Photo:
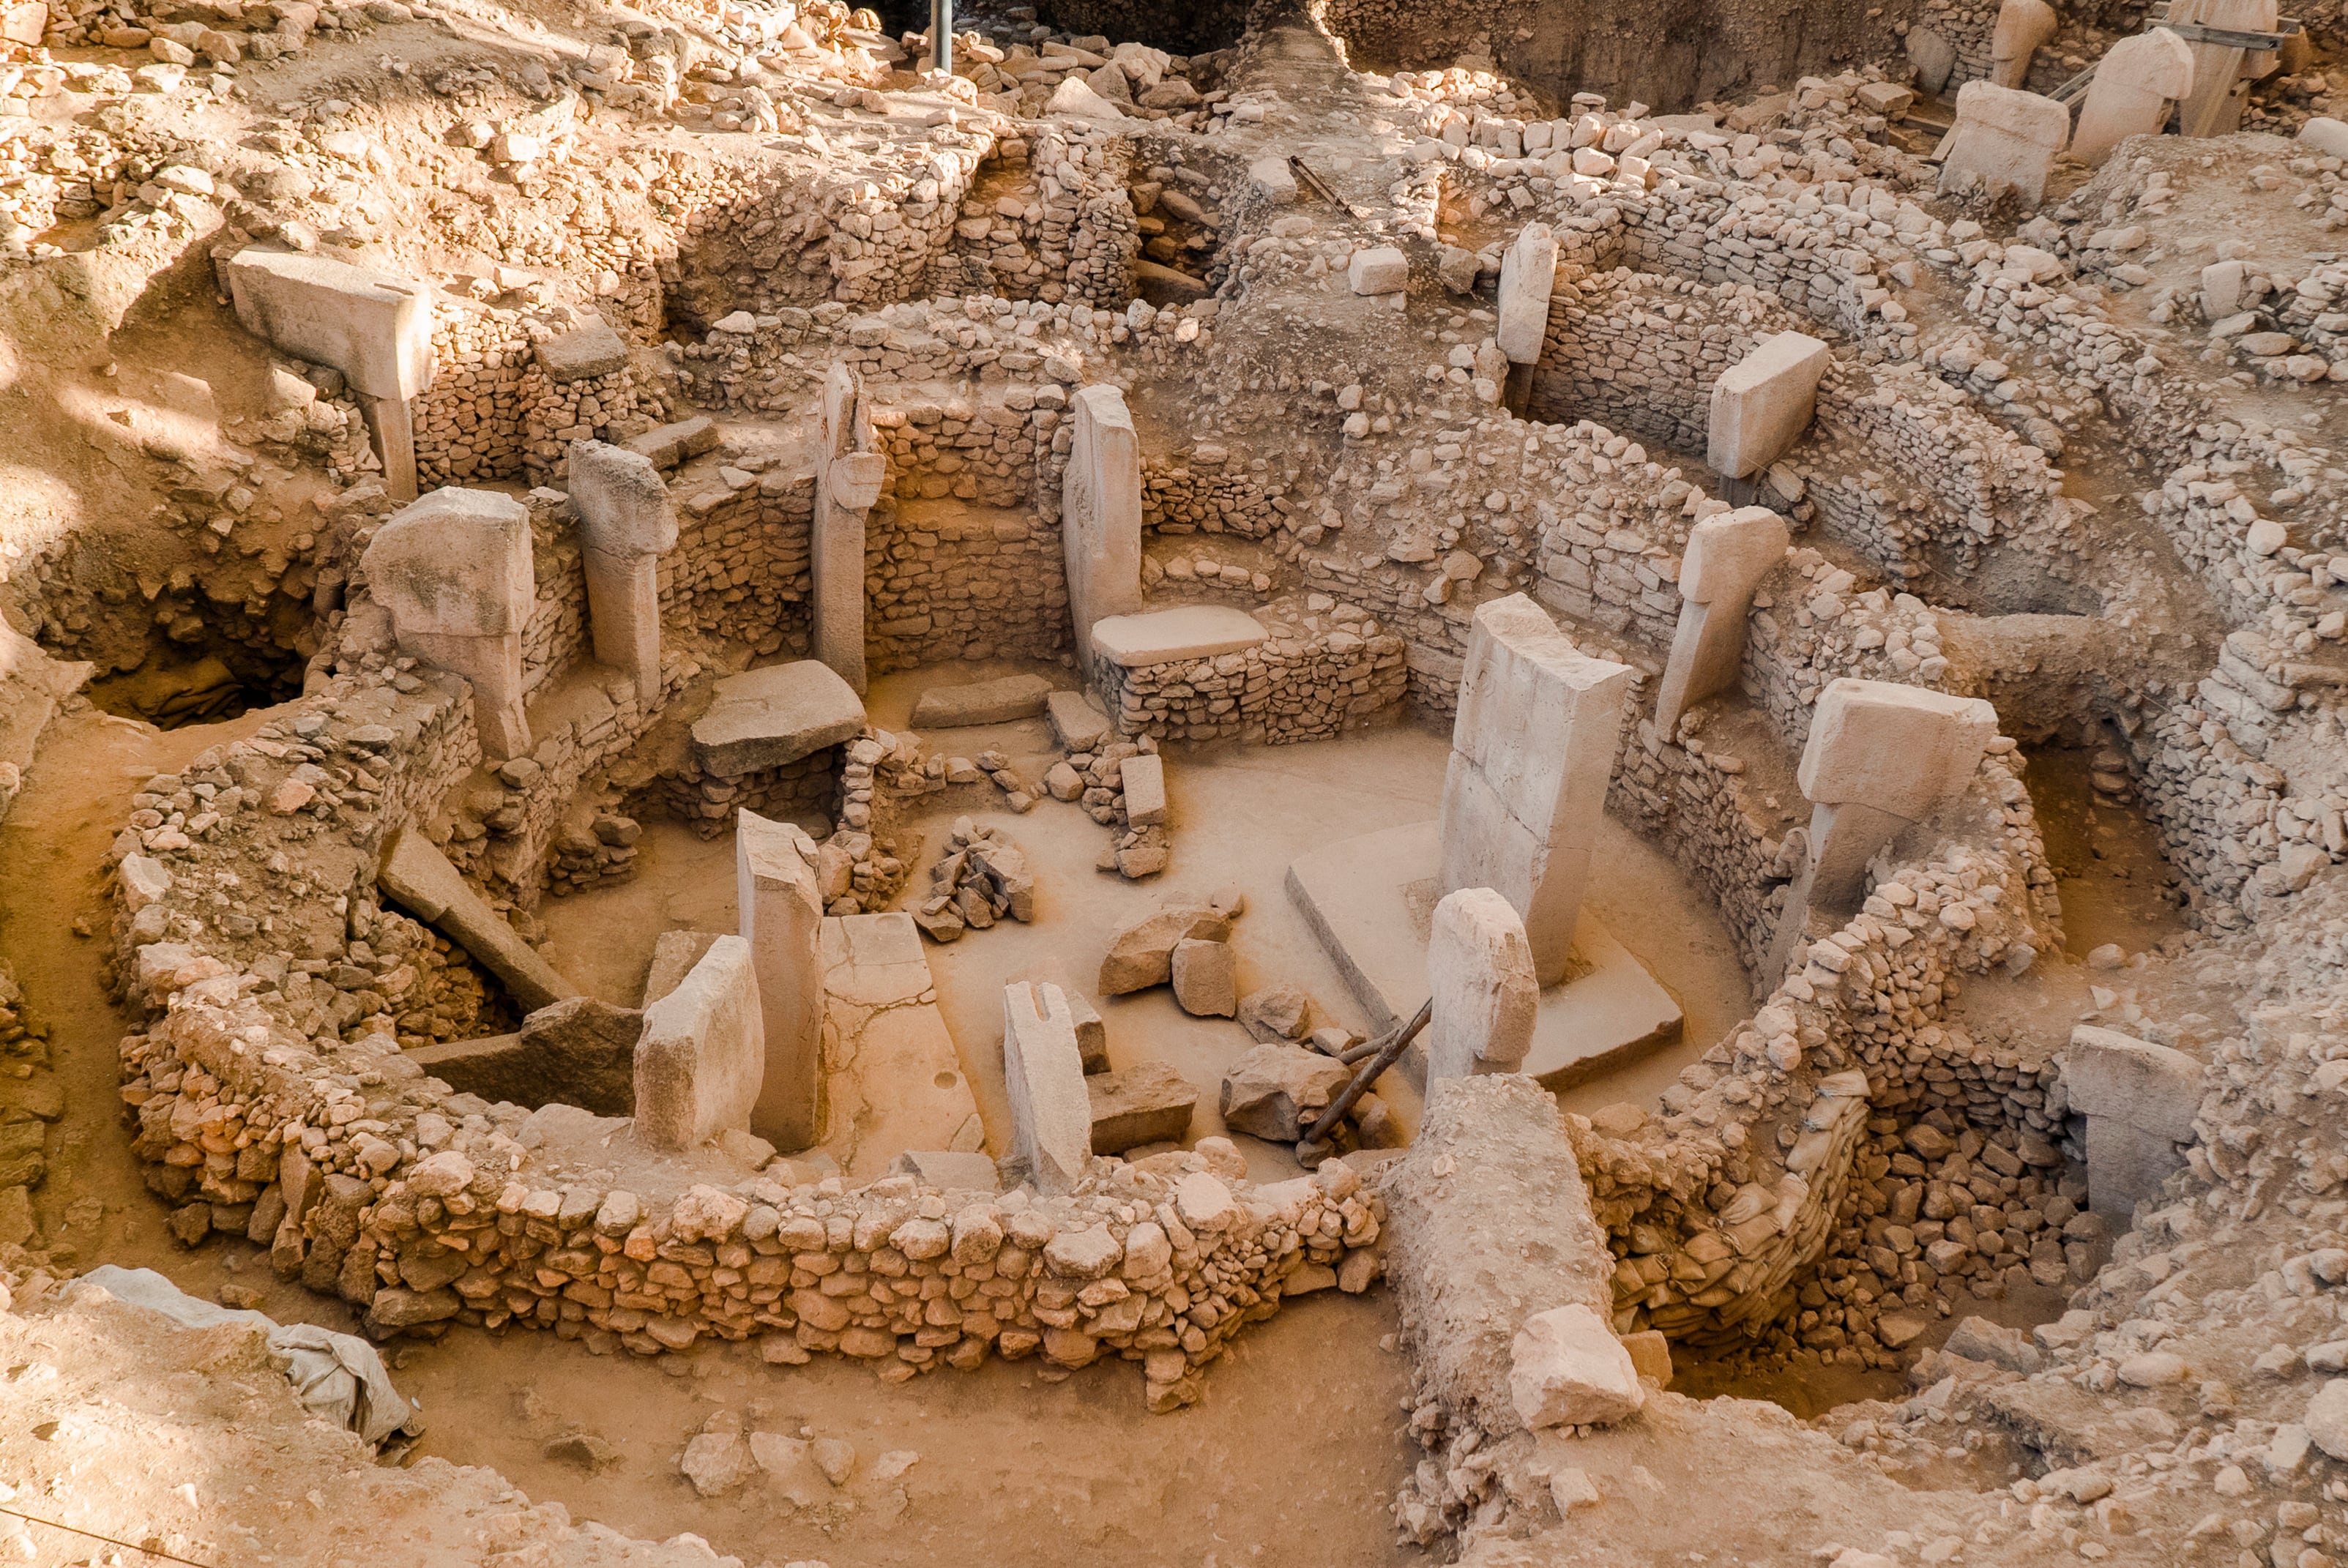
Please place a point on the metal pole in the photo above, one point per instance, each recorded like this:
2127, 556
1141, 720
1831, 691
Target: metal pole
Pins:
941, 35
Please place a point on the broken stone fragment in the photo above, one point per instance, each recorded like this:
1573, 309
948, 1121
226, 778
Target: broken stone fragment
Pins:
1275, 1091
1142, 955
1567, 1369
1205, 975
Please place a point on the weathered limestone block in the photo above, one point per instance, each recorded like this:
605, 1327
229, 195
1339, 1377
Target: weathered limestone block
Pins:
1276, 1091
454, 572
1206, 978
770, 717
2139, 1100
1148, 1102
1567, 1369
1532, 752
2022, 25
1528, 276
849, 474
1490, 1165
1479, 970
625, 525
420, 877
997, 701
1141, 955
703, 1054
1051, 1111
782, 919
2137, 80
2007, 137
1760, 407
1727, 555
1100, 511
579, 1052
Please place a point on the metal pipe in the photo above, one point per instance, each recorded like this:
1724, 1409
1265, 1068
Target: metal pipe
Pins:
941, 35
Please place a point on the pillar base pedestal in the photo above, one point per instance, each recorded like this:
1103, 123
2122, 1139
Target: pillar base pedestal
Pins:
1370, 901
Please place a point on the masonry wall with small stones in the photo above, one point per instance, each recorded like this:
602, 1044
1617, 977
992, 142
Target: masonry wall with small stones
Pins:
1283, 690
741, 569
950, 585
1199, 492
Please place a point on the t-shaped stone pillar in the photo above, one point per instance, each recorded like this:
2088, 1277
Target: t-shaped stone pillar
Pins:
1532, 752
782, 919
1880, 756
1043, 1069
626, 523
2222, 74
1479, 970
1100, 512
2134, 83
1528, 275
2021, 26
849, 474
454, 572
376, 329
1763, 403
1727, 555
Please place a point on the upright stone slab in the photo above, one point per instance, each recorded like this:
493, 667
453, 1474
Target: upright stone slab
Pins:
2139, 1100
2135, 84
1479, 970
2007, 137
454, 572
703, 1053
1100, 511
2222, 75
374, 327
1532, 751
782, 909
626, 524
849, 476
1528, 275
1763, 403
1727, 555
1879, 757
2021, 26
1051, 1110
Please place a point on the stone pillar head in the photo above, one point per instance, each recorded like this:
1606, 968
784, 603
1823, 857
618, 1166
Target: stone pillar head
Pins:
623, 505
2134, 83
1729, 553
1897, 749
1760, 407
2021, 26
456, 563
1479, 970
2005, 137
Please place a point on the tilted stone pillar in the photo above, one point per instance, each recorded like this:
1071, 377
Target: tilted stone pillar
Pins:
1479, 971
1528, 276
1760, 407
1727, 555
454, 571
849, 476
1532, 752
2021, 26
782, 919
625, 525
1100, 512
1043, 1069
2221, 74
700, 1058
1880, 756
2134, 83
376, 329
2007, 137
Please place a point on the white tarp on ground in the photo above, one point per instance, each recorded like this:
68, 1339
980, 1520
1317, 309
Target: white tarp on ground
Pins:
338, 1376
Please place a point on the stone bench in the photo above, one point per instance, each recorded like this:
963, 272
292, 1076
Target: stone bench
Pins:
771, 717
1163, 636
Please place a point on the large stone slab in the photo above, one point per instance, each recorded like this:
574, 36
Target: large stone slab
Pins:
374, 327
585, 352
1051, 1111
1148, 1102
1763, 403
703, 1054
454, 571
765, 718
2007, 137
420, 877
1371, 900
1100, 511
2136, 81
996, 702
1186, 631
893, 1079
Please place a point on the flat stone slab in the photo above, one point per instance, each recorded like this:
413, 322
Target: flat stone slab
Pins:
767, 718
1186, 631
669, 445
1370, 901
593, 350
1148, 1102
1076, 721
416, 874
893, 1082
994, 702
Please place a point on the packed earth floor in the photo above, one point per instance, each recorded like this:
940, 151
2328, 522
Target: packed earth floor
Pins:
1326, 782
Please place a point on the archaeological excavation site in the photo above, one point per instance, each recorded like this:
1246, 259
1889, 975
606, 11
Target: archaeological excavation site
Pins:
1336, 783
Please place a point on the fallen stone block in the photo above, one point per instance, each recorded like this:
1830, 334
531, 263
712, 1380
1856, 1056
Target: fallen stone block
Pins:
1144, 781
765, 718
1142, 955
1276, 1091
1148, 1102
1051, 1113
997, 701
1080, 726
1206, 978
1567, 1369
1378, 270
1275, 1013
669, 445
417, 875
579, 1051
